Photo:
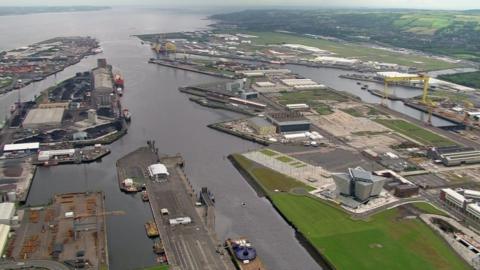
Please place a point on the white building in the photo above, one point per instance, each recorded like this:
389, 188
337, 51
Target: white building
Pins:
17, 147
158, 171
4, 231
7, 210
474, 210
453, 197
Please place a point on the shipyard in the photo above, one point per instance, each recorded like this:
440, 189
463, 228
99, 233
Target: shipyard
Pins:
212, 145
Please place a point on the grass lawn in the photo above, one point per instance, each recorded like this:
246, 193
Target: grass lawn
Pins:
269, 180
268, 152
353, 112
284, 159
353, 50
382, 242
415, 132
470, 79
159, 267
428, 208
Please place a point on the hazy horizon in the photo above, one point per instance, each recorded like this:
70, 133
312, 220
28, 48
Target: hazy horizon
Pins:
400, 4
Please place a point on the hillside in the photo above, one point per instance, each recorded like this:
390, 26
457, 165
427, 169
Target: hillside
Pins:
455, 34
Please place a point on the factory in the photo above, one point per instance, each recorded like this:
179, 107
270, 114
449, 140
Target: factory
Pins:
44, 118
358, 183
102, 85
56, 154
261, 126
454, 155
302, 84
289, 122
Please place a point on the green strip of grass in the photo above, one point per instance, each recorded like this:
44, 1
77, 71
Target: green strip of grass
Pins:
415, 132
268, 152
386, 241
427, 208
159, 267
284, 159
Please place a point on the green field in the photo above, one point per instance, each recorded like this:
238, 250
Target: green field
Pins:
385, 241
415, 132
268, 152
470, 79
284, 159
353, 50
4, 82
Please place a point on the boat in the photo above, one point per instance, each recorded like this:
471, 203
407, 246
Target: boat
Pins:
127, 115
364, 87
244, 254
118, 81
151, 229
359, 83
120, 91
145, 196
158, 248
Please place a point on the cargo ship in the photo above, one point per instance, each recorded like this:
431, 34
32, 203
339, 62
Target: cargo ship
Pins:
151, 229
145, 196
244, 255
118, 81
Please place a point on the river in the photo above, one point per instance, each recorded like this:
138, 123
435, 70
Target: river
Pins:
161, 113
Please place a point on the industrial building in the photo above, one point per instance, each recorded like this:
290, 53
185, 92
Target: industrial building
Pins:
406, 190
261, 126
102, 85
454, 155
359, 184
21, 147
289, 122
44, 118
298, 107
158, 172
55, 154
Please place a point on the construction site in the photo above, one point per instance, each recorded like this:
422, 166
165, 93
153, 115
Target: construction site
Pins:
71, 231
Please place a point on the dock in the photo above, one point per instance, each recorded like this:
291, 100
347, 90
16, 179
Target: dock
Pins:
72, 230
187, 242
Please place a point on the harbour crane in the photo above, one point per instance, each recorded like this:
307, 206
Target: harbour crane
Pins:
420, 77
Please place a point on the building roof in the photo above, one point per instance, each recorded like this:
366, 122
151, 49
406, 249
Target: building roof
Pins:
157, 169
260, 122
46, 116
287, 116
102, 78
454, 194
4, 231
7, 209
21, 146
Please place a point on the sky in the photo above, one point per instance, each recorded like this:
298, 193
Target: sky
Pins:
427, 4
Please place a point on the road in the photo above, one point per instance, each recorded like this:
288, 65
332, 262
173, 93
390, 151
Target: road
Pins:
43, 264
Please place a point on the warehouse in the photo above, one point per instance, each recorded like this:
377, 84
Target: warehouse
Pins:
7, 211
44, 118
289, 122
102, 85
158, 172
261, 126
21, 147
298, 107
459, 158
55, 154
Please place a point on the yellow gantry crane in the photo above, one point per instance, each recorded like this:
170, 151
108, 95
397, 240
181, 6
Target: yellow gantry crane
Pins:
420, 77
426, 84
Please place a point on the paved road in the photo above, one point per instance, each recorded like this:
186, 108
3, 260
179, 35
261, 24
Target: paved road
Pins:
51, 265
